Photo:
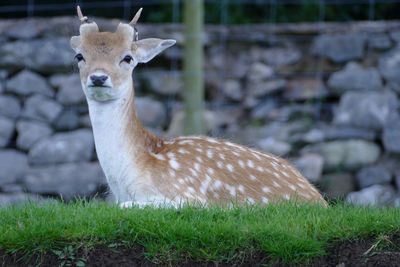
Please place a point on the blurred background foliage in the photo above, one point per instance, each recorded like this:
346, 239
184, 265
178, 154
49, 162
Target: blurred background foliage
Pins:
222, 11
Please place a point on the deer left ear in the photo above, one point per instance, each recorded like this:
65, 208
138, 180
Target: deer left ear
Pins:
75, 42
146, 49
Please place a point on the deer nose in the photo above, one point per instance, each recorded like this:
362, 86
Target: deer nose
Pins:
98, 80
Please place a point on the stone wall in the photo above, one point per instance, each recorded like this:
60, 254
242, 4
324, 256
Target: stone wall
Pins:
323, 95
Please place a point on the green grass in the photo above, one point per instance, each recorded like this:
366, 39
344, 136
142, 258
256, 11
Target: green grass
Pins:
286, 232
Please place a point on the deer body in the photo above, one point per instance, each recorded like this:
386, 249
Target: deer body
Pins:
142, 168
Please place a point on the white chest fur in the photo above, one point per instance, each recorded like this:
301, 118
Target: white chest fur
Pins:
118, 161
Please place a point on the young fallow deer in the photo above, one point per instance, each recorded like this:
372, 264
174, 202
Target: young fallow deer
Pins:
142, 168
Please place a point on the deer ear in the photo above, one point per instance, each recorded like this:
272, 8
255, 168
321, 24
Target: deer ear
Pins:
146, 49
75, 42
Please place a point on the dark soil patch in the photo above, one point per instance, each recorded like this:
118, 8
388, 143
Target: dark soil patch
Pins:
365, 252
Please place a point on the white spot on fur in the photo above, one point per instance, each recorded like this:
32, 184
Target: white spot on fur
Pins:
241, 163
199, 150
174, 164
184, 142
266, 189
197, 166
171, 155
158, 156
210, 153
292, 187
256, 156
229, 167
204, 184
210, 171
241, 188
264, 200
199, 159
250, 200
275, 184
252, 177
182, 151
231, 189
217, 184
236, 153
181, 181
260, 169
194, 173
250, 163
286, 196
222, 156
220, 164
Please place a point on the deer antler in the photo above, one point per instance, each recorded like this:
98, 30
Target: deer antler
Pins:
133, 23
82, 18
136, 18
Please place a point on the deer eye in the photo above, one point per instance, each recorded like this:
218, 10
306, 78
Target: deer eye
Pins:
79, 57
128, 59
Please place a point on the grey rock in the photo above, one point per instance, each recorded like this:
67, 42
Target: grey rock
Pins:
163, 82
304, 89
76, 146
380, 41
176, 126
24, 29
278, 57
233, 89
13, 166
274, 146
335, 132
389, 66
9, 106
397, 202
340, 47
6, 131
69, 89
41, 108
151, 112
366, 109
85, 121
397, 179
355, 78
376, 195
27, 83
346, 154
12, 199
263, 88
263, 109
391, 133
372, 175
3, 74
395, 36
67, 120
42, 55
66, 180
11, 188
311, 166
259, 72
337, 185
30, 132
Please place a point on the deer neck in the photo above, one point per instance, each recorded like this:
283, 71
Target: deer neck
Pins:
122, 143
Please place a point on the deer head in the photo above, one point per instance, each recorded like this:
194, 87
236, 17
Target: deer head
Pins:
106, 59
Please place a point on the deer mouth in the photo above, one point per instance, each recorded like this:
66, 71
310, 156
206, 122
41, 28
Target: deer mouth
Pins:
101, 93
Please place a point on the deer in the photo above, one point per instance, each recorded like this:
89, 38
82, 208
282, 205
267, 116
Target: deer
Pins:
144, 169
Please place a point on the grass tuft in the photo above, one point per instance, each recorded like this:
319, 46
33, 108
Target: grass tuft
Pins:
285, 232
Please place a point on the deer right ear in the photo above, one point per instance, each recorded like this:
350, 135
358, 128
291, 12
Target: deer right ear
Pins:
75, 42
146, 49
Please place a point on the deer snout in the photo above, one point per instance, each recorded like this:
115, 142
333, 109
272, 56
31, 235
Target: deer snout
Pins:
98, 80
